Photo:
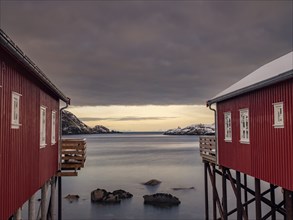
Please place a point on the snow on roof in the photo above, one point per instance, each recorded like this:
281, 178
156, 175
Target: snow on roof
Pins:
266, 73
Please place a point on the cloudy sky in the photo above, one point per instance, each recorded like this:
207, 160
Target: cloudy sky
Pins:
147, 65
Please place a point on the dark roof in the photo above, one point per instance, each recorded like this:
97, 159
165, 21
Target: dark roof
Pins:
273, 72
15, 51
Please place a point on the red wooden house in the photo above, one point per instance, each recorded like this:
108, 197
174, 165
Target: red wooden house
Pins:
255, 123
254, 137
29, 127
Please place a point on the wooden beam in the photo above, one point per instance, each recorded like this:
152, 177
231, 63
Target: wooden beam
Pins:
272, 194
70, 166
224, 192
32, 207
257, 200
232, 181
245, 194
53, 198
43, 201
238, 196
216, 192
67, 173
206, 190
288, 204
18, 214
213, 178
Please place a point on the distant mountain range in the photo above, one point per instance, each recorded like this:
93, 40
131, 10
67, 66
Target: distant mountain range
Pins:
72, 125
197, 129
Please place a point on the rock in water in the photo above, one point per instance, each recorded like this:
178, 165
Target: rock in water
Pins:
161, 199
102, 196
183, 188
72, 198
122, 194
152, 182
98, 195
111, 198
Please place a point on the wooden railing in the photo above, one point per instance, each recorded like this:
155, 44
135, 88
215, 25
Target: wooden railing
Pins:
207, 145
73, 156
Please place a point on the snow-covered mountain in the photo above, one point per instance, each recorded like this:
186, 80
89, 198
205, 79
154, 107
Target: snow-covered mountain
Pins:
196, 129
72, 125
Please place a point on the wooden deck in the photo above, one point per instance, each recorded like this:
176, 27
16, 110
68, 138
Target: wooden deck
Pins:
207, 145
73, 156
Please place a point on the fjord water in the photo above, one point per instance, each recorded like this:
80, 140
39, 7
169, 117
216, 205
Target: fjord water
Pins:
124, 161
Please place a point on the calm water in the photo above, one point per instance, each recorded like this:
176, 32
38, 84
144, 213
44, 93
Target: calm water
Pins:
124, 161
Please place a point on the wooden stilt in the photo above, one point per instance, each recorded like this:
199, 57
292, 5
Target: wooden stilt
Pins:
18, 214
43, 202
245, 194
32, 208
206, 191
238, 196
257, 200
288, 204
214, 193
59, 198
272, 194
224, 190
53, 198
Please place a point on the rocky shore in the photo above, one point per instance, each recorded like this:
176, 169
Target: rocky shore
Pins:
72, 125
197, 129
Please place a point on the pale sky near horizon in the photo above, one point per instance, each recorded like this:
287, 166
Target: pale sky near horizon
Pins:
147, 65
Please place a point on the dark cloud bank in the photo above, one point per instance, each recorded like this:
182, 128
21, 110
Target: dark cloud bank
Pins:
156, 52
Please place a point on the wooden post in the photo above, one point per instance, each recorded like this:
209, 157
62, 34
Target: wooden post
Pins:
257, 200
53, 198
245, 194
214, 192
272, 194
59, 198
32, 208
224, 191
43, 201
288, 204
18, 214
238, 196
206, 190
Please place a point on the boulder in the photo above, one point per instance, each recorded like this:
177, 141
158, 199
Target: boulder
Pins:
72, 198
183, 188
122, 194
161, 199
98, 195
152, 182
111, 198
102, 196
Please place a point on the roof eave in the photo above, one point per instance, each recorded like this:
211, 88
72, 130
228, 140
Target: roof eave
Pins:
8, 44
259, 85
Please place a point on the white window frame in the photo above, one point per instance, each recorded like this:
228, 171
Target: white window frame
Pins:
228, 126
15, 110
278, 115
43, 109
244, 126
53, 127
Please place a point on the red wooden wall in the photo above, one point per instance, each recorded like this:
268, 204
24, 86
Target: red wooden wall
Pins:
269, 156
24, 166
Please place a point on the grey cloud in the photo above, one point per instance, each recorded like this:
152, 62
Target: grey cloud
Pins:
158, 52
129, 118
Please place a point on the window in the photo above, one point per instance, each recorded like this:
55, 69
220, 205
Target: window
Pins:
53, 131
15, 110
244, 126
228, 126
43, 126
278, 115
